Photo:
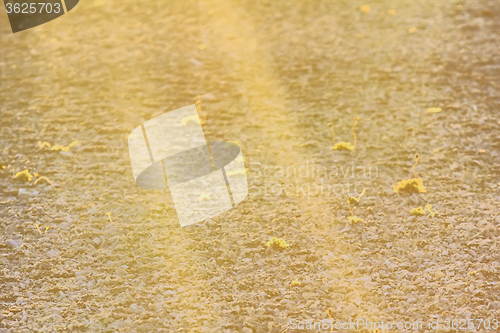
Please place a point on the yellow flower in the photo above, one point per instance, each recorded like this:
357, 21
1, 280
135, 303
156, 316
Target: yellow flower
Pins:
410, 186
277, 243
343, 146
355, 219
417, 211
204, 196
24, 175
434, 110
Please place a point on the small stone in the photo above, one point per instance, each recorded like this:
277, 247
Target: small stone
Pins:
45, 265
370, 285
468, 177
169, 293
54, 253
312, 258
83, 273
209, 97
65, 153
439, 275
15, 309
23, 191
10, 229
196, 62
13, 244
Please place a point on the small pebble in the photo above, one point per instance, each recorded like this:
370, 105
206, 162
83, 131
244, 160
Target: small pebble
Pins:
13, 244
45, 265
23, 191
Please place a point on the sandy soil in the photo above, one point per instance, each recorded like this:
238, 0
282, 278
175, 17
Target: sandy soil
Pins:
278, 73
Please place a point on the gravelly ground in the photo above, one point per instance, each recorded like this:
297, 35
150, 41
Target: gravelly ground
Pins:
278, 72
